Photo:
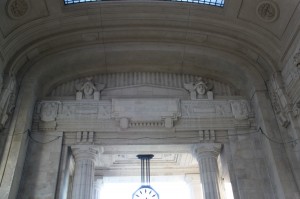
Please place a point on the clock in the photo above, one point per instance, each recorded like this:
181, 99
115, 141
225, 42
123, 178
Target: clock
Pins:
145, 192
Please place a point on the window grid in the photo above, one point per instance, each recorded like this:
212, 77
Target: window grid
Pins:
218, 3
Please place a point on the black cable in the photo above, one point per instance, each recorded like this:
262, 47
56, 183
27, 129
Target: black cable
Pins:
275, 141
36, 141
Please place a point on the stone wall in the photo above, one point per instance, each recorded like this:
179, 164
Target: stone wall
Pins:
40, 173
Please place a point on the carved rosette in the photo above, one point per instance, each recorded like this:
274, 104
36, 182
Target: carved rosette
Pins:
267, 11
17, 8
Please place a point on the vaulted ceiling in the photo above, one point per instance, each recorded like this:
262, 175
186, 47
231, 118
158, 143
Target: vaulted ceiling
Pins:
243, 42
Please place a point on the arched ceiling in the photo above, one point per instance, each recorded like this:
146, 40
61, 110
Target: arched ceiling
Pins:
52, 42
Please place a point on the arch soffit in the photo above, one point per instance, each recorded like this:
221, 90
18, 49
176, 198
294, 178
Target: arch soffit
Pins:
60, 67
207, 31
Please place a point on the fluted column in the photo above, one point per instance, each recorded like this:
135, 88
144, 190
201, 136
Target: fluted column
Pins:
83, 184
206, 155
97, 186
195, 186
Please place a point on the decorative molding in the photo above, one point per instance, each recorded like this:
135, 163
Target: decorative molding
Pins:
207, 135
131, 79
204, 109
17, 8
85, 137
146, 110
135, 114
267, 11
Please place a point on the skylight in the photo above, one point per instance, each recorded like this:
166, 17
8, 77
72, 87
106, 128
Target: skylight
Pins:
218, 3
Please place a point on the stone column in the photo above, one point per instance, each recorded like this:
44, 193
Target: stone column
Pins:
195, 186
206, 155
83, 184
97, 186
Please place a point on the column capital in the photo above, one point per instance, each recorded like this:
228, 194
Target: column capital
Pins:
82, 152
207, 150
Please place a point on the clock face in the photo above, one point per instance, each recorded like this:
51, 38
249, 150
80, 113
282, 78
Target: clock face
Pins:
145, 192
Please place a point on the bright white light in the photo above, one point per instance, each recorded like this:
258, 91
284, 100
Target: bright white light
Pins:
228, 190
174, 190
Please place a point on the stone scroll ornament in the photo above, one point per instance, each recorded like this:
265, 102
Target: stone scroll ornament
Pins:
199, 89
87, 89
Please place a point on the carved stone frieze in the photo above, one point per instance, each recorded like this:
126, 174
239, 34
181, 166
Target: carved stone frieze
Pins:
203, 109
85, 110
121, 114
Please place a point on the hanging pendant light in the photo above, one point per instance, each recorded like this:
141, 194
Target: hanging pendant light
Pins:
145, 191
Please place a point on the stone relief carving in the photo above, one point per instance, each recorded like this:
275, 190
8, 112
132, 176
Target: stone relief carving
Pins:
207, 135
7, 100
296, 59
87, 89
89, 110
17, 8
296, 110
240, 109
201, 109
279, 100
267, 11
199, 89
49, 111
121, 114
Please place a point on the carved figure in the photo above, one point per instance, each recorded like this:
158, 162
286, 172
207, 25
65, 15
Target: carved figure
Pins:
198, 88
88, 89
